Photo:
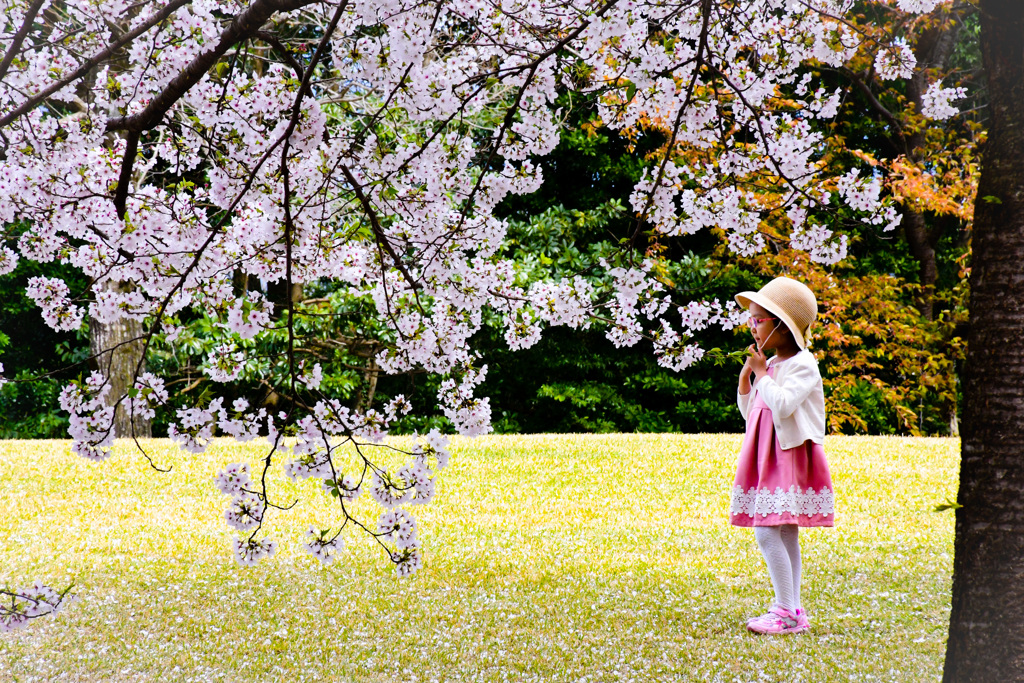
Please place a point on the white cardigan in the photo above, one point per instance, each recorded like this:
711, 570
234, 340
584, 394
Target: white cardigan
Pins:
795, 397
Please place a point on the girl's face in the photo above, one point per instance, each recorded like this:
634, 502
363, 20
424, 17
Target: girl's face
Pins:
768, 330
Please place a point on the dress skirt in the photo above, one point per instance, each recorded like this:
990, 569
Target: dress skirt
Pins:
777, 486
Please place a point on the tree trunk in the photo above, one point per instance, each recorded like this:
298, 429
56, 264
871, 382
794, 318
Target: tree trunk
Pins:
986, 638
921, 240
934, 52
116, 356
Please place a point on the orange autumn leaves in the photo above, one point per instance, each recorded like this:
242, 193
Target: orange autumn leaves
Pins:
877, 353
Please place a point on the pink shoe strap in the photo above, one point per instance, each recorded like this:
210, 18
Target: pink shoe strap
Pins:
784, 614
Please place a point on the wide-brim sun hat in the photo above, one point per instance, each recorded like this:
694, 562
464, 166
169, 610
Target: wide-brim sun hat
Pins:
790, 301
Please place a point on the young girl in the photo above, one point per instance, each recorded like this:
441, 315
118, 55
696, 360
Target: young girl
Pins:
782, 479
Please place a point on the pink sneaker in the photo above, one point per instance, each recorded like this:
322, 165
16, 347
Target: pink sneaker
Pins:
779, 620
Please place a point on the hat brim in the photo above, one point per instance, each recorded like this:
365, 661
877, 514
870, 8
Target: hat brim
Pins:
744, 299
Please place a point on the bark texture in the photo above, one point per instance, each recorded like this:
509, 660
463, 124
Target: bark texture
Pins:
116, 349
986, 638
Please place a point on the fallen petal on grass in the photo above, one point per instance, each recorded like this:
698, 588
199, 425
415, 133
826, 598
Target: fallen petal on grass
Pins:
545, 558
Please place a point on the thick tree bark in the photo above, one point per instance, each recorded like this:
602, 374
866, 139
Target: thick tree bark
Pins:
986, 638
117, 348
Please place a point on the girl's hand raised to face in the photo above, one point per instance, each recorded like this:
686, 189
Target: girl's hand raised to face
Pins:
757, 361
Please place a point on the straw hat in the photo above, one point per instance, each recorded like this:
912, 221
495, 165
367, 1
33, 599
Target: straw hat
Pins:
791, 301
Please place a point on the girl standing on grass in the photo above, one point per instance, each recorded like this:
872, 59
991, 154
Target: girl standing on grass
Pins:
782, 479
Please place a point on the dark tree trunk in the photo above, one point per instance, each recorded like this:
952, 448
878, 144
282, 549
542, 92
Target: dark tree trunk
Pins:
986, 630
922, 240
117, 357
364, 401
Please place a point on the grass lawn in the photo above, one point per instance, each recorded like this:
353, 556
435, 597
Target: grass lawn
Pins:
547, 558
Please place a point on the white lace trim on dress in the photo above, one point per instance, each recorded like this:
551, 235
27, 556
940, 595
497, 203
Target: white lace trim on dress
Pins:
795, 501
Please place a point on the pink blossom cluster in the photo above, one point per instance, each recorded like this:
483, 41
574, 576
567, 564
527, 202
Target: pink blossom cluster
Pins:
224, 363
917, 6
632, 287
91, 419
144, 397
312, 377
936, 103
18, 606
52, 297
244, 513
398, 527
567, 302
241, 424
8, 260
195, 427
895, 60
320, 546
250, 315
671, 350
470, 414
820, 242
249, 551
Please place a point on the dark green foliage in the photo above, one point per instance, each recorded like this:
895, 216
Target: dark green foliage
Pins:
575, 381
872, 407
39, 360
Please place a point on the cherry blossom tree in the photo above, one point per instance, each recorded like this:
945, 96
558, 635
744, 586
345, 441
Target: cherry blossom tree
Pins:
164, 147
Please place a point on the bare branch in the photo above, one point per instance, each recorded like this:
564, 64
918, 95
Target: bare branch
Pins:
874, 101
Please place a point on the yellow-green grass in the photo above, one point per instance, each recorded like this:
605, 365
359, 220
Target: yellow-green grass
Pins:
547, 558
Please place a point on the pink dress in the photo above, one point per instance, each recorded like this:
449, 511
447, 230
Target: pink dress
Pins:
775, 486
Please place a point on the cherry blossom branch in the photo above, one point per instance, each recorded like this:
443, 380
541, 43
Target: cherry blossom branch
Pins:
19, 37
289, 225
92, 62
20, 605
702, 46
243, 27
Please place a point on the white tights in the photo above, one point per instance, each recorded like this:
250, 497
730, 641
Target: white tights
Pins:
780, 546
